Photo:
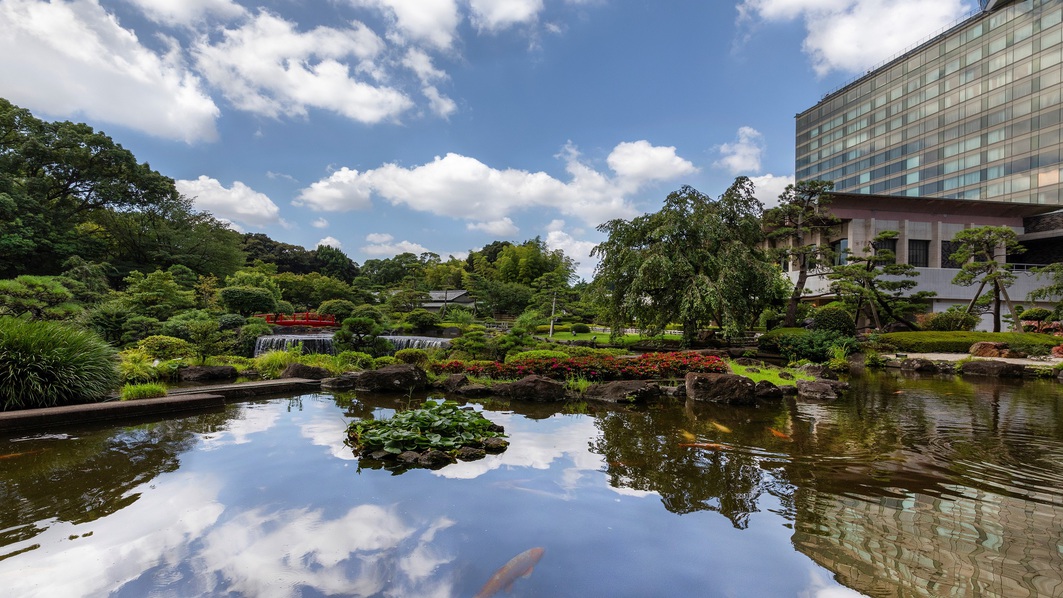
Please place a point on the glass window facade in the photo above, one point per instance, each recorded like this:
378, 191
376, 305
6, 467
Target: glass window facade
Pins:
973, 114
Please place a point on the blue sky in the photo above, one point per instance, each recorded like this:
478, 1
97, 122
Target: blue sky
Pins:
382, 126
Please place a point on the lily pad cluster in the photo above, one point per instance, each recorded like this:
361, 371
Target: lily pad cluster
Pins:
432, 435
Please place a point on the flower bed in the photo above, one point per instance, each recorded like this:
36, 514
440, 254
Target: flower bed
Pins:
650, 366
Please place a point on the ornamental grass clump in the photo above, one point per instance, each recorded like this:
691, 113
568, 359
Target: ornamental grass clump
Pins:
133, 392
441, 426
43, 364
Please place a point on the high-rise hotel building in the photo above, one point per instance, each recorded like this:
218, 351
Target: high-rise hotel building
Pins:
974, 113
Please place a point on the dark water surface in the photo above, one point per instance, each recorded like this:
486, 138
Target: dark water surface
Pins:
904, 487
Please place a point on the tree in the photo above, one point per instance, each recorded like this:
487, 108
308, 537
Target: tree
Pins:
983, 252
873, 281
157, 295
247, 300
309, 290
1053, 291
332, 262
669, 266
361, 334
36, 297
796, 227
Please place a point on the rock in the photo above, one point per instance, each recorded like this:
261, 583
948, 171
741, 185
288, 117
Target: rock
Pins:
786, 376
433, 459
788, 390
819, 371
406, 456
533, 388
753, 369
993, 369
206, 373
624, 391
455, 381
720, 388
674, 392
1013, 353
767, 390
820, 390
495, 445
987, 349
748, 361
298, 370
468, 453
917, 364
382, 454
474, 390
401, 377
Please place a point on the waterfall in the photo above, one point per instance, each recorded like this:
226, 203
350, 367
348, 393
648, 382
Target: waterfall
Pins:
416, 342
312, 343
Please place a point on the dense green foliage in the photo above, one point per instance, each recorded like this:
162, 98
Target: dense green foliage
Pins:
147, 390
597, 368
833, 319
43, 364
950, 320
440, 425
960, 342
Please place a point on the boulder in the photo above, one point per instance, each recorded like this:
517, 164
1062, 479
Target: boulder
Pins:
674, 392
206, 373
992, 369
533, 388
433, 459
917, 364
455, 381
819, 371
401, 377
310, 372
820, 390
474, 390
987, 349
720, 388
468, 453
748, 361
624, 391
767, 390
785, 375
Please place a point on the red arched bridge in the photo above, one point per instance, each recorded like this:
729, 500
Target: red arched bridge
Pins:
303, 318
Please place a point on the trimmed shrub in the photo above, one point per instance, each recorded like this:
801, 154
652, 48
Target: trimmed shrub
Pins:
816, 346
580, 328
43, 364
960, 342
418, 357
536, 354
380, 362
422, 320
231, 321
833, 319
953, 320
355, 359
166, 347
285, 307
649, 366
545, 328
769, 341
341, 308
244, 346
132, 392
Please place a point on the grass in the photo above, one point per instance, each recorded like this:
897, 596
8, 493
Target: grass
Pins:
769, 373
132, 392
960, 342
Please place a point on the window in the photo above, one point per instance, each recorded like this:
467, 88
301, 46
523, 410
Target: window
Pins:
840, 248
919, 253
888, 249
947, 249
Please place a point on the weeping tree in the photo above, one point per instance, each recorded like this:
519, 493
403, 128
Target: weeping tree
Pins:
695, 261
983, 252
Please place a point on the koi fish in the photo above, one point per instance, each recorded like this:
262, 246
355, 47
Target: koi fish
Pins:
721, 427
517, 567
14, 455
705, 445
779, 434
687, 436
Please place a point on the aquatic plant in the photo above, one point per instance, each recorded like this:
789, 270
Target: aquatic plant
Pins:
441, 426
150, 390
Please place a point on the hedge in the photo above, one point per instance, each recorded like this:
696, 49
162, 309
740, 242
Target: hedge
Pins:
649, 366
960, 342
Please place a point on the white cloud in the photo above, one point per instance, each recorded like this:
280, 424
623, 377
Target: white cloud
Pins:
769, 186
573, 248
431, 21
463, 187
499, 228
187, 12
496, 15
73, 58
330, 242
744, 154
238, 203
320, 223
268, 67
853, 35
382, 244
421, 64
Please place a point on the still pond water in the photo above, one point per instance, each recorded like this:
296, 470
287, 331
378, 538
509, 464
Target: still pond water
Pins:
904, 487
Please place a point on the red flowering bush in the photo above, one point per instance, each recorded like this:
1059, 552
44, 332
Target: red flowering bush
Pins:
649, 366
1057, 351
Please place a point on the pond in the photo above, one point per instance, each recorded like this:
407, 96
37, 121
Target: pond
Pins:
904, 487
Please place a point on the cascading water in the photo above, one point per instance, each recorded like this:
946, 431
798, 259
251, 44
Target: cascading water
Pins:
416, 342
312, 343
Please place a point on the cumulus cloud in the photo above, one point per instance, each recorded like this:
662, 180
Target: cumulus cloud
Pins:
744, 154
187, 12
434, 22
498, 228
853, 35
496, 15
330, 242
267, 67
383, 244
238, 203
320, 223
421, 64
466, 188
73, 58
769, 186
558, 238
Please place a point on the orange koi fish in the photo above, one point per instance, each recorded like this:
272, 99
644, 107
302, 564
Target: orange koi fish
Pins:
687, 436
705, 445
721, 427
14, 455
779, 434
517, 567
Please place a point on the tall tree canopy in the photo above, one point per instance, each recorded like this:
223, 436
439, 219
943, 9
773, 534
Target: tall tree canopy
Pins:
983, 252
695, 261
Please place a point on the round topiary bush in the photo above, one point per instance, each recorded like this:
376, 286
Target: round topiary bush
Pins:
380, 362
356, 359
580, 328
166, 347
43, 364
231, 321
953, 320
833, 319
418, 357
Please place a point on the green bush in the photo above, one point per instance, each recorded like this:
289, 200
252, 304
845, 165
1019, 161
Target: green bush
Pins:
380, 362
816, 346
769, 341
953, 320
48, 363
179, 326
422, 320
285, 307
244, 345
166, 347
545, 329
341, 308
418, 357
580, 328
231, 321
536, 354
151, 390
1036, 314
270, 364
833, 319
960, 342
355, 359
